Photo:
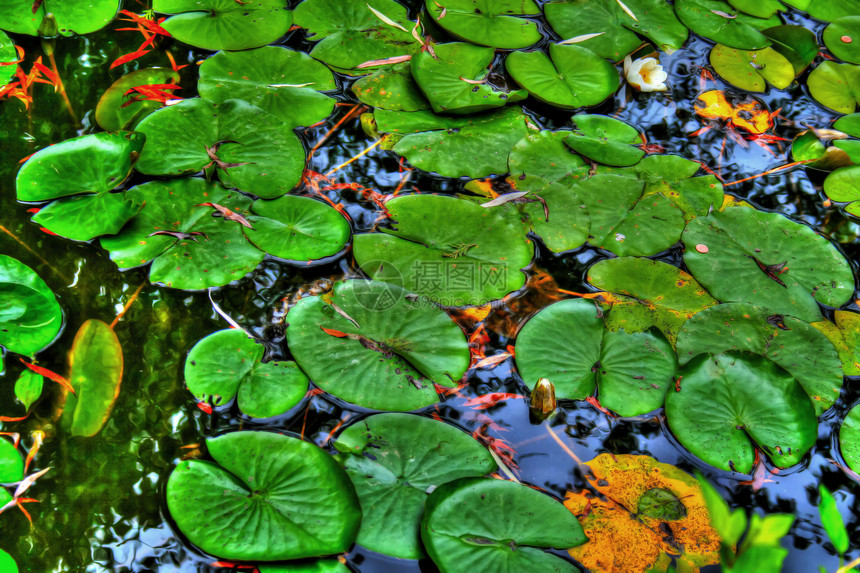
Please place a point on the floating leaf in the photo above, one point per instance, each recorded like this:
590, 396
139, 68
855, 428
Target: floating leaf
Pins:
348, 32
249, 149
576, 77
227, 363
564, 224
605, 140
727, 401
450, 250
448, 75
568, 344
285, 499
285, 83
654, 19
752, 70
647, 504
27, 16
30, 317
318, 566
807, 147
225, 24
87, 167
116, 110
768, 260
7, 563
541, 158
11, 463
715, 20
488, 22
845, 336
653, 293
388, 357
827, 10
796, 44
849, 438
835, 86
793, 344
748, 114
188, 247
28, 388
476, 524
832, 521
95, 363
420, 454
474, 146
8, 54
758, 8
391, 88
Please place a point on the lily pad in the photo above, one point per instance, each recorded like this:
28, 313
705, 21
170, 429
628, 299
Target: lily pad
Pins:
718, 21
248, 148
285, 83
11, 463
8, 54
849, 438
450, 250
842, 185
488, 22
731, 403
318, 566
827, 10
30, 317
541, 158
849, 124
835, 86
474, 146
746, 255
260, 483
7, 563
652, 293
227, 363
796, 44
758, 8
73, 17
95, 363
605, 140
564, 225
795, 345
116, 110
568, 343
188, 247
575, 77
391, 88
844, 333
349, 33
453, 79
654, 19
297, 228
752, 70
642, 501
807, 147
225, 24
395, 461
28, 388
476, 524
387, 355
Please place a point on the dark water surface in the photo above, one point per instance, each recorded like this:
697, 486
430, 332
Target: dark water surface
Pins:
101, 506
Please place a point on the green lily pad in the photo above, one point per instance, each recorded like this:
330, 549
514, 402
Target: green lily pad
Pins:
451, 79
849, 439
488, 22
225, 24
11, 463
85, 217
7, 563
95, 363
73, 17
798, 347
845, 336
568, 343
718, 21
318, 566
565, 223
576, 77
392, 88
807, 147
227, 363
394, 462
285, 83
30, 317
731, 403
450, 250
349, 33
796, 44
8, 54
758, 8
849, 124
476, 524
116, 110
401, 347
835, 86
283, 498
745, 255
28, 388
188, 247
474, 146
653, 293
297, 228
249, 148
605, 140
827, 10
752, 70
842, 185
654, 19
541, 158
851, 147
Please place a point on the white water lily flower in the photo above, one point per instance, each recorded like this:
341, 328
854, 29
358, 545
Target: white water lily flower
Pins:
645, 74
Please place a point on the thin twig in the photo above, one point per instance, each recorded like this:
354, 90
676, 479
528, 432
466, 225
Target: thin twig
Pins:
357, 109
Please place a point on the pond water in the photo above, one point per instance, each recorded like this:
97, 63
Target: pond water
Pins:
101, 506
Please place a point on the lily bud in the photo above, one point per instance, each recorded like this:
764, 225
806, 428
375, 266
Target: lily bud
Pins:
542, 402
645, 74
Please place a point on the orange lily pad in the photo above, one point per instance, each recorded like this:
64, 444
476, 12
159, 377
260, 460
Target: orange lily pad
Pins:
750, 116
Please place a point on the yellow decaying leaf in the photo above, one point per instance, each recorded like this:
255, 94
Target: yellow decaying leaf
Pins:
844, 335
623, 540
751, 116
